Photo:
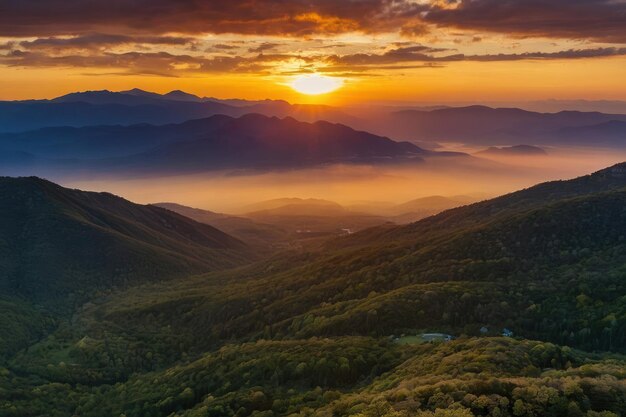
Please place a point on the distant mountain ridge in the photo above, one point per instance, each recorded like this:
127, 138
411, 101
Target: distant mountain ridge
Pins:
515, 150
313, 205
505, 126
252, 141
470, 124
104, 107
137, 96
282, 221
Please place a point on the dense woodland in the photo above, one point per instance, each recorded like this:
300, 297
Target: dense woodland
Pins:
179, 319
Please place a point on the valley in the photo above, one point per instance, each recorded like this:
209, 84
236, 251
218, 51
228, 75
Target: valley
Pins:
312, 330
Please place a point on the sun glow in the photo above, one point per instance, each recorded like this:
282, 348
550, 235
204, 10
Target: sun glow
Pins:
314, 84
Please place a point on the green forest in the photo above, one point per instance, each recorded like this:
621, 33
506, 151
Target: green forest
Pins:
109, 308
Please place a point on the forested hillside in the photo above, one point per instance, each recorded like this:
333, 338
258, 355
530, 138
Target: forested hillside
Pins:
339, 330
59, 248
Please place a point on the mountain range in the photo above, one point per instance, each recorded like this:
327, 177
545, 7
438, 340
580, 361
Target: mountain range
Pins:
469, 124
286, 222
252, 141
95, 108
437, 307
322, 330
482, 125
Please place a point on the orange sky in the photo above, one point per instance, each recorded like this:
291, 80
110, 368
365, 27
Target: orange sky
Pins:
594, 79
405, 50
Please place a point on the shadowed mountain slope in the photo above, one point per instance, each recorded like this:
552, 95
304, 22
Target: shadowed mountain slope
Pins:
57, 242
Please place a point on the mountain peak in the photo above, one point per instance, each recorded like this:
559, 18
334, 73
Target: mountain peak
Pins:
139, 92
181, 95
78, 94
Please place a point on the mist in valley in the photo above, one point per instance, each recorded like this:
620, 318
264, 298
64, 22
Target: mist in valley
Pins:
368, 187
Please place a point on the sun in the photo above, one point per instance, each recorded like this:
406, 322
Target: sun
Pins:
314, 84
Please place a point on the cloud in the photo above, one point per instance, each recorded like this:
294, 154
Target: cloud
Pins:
567, 54
407, 56
425, 54
151, 63
268, 17
225, 46
265, 46
99, 40
402, 54
368, 69
8, 46
598, 20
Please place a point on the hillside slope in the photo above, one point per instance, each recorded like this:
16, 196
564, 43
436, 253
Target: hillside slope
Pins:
57, 241
320, 332
243, 228
61, 247
546, 265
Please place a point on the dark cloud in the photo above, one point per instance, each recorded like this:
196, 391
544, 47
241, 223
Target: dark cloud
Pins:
99, 40
265, 46
599, 20
568, 54
7, 46
162, 63
225, 46
428, 55
403, 54
267, 17
368, 69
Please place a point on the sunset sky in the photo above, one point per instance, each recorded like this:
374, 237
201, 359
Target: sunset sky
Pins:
375, 50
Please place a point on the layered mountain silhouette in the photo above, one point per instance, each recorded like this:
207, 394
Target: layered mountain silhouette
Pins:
135, 106
501, 126
606, 134
284, 222
252, 141
473, 124
295, 206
